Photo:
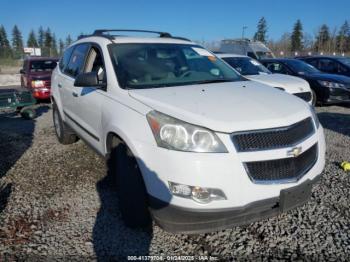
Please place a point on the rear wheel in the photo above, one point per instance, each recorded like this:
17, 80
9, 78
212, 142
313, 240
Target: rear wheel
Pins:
131, 190
64, 134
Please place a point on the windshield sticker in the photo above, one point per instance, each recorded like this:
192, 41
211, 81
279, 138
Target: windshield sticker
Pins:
202, 51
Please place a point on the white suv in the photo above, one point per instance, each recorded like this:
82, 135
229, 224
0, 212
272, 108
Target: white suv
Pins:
189, 140
254, 70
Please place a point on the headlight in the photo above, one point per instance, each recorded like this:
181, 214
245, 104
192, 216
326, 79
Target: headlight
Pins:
172, 133
314, 116
330, 84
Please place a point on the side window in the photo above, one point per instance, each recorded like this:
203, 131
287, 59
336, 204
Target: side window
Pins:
312, 62
327, 65
76, 61
65, 58
94, 63
277, 68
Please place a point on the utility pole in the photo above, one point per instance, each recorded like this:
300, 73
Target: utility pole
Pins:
243, 30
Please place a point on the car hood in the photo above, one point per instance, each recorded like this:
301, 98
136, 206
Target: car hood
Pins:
329, 77
290, 84
226, 107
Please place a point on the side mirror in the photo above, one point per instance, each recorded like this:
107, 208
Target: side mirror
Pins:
87, 80
22, 71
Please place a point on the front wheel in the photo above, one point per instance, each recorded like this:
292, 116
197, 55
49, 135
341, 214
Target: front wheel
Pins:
131, 190
64, 134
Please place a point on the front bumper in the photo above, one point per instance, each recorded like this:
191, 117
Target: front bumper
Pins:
179, 220
338, 95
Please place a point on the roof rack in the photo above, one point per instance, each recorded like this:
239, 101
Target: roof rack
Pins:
102, 33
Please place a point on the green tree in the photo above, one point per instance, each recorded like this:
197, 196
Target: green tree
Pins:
5, 48
261, 33
32, 42
60, 46
47, 45
342, 40
17, 43
322, 39
41, 37
68, 40
297, 37
54, 51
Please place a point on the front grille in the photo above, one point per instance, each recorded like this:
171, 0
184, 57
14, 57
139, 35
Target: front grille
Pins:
282, 170
304, 95
273, 138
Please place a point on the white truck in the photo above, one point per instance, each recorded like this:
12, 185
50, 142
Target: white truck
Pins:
247, 47
189, 141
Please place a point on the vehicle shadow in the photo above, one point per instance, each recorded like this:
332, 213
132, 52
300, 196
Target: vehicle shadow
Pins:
336, 122
112, 240
16, 136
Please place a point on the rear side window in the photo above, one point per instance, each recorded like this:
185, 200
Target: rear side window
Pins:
77, 60
65, 58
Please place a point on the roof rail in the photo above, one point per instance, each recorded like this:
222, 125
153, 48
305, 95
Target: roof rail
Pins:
100, 32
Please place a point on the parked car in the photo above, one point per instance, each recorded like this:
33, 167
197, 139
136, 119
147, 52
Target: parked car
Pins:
254, 49
36, 75
327, 88
187, 138
329, 64
254, 70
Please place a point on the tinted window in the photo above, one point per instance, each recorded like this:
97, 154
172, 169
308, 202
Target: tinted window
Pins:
65, 58
246, 66
345, 61
312, 62
76, 62
327, 65
277, 68
300, 67
42, 65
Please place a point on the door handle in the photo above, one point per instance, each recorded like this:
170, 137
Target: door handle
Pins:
75, 94
59, 85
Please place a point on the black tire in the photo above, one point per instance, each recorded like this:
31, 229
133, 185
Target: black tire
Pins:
64, 134
314, 98
131, 190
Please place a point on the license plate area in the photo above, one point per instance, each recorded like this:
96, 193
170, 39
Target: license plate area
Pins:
295, 196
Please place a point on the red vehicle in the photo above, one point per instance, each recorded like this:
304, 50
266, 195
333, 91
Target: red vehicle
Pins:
36, 75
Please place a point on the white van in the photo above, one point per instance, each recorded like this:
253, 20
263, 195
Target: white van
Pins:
254, 49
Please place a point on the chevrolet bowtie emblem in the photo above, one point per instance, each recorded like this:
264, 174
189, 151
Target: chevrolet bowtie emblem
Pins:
296, 151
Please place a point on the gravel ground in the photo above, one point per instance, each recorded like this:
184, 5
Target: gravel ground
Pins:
57, 203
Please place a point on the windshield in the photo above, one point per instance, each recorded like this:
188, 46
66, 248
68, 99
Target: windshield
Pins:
149, 65
301, 67
246, 65
42, 65
345, 61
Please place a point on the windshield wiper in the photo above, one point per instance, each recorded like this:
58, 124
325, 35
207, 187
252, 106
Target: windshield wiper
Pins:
214, 81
